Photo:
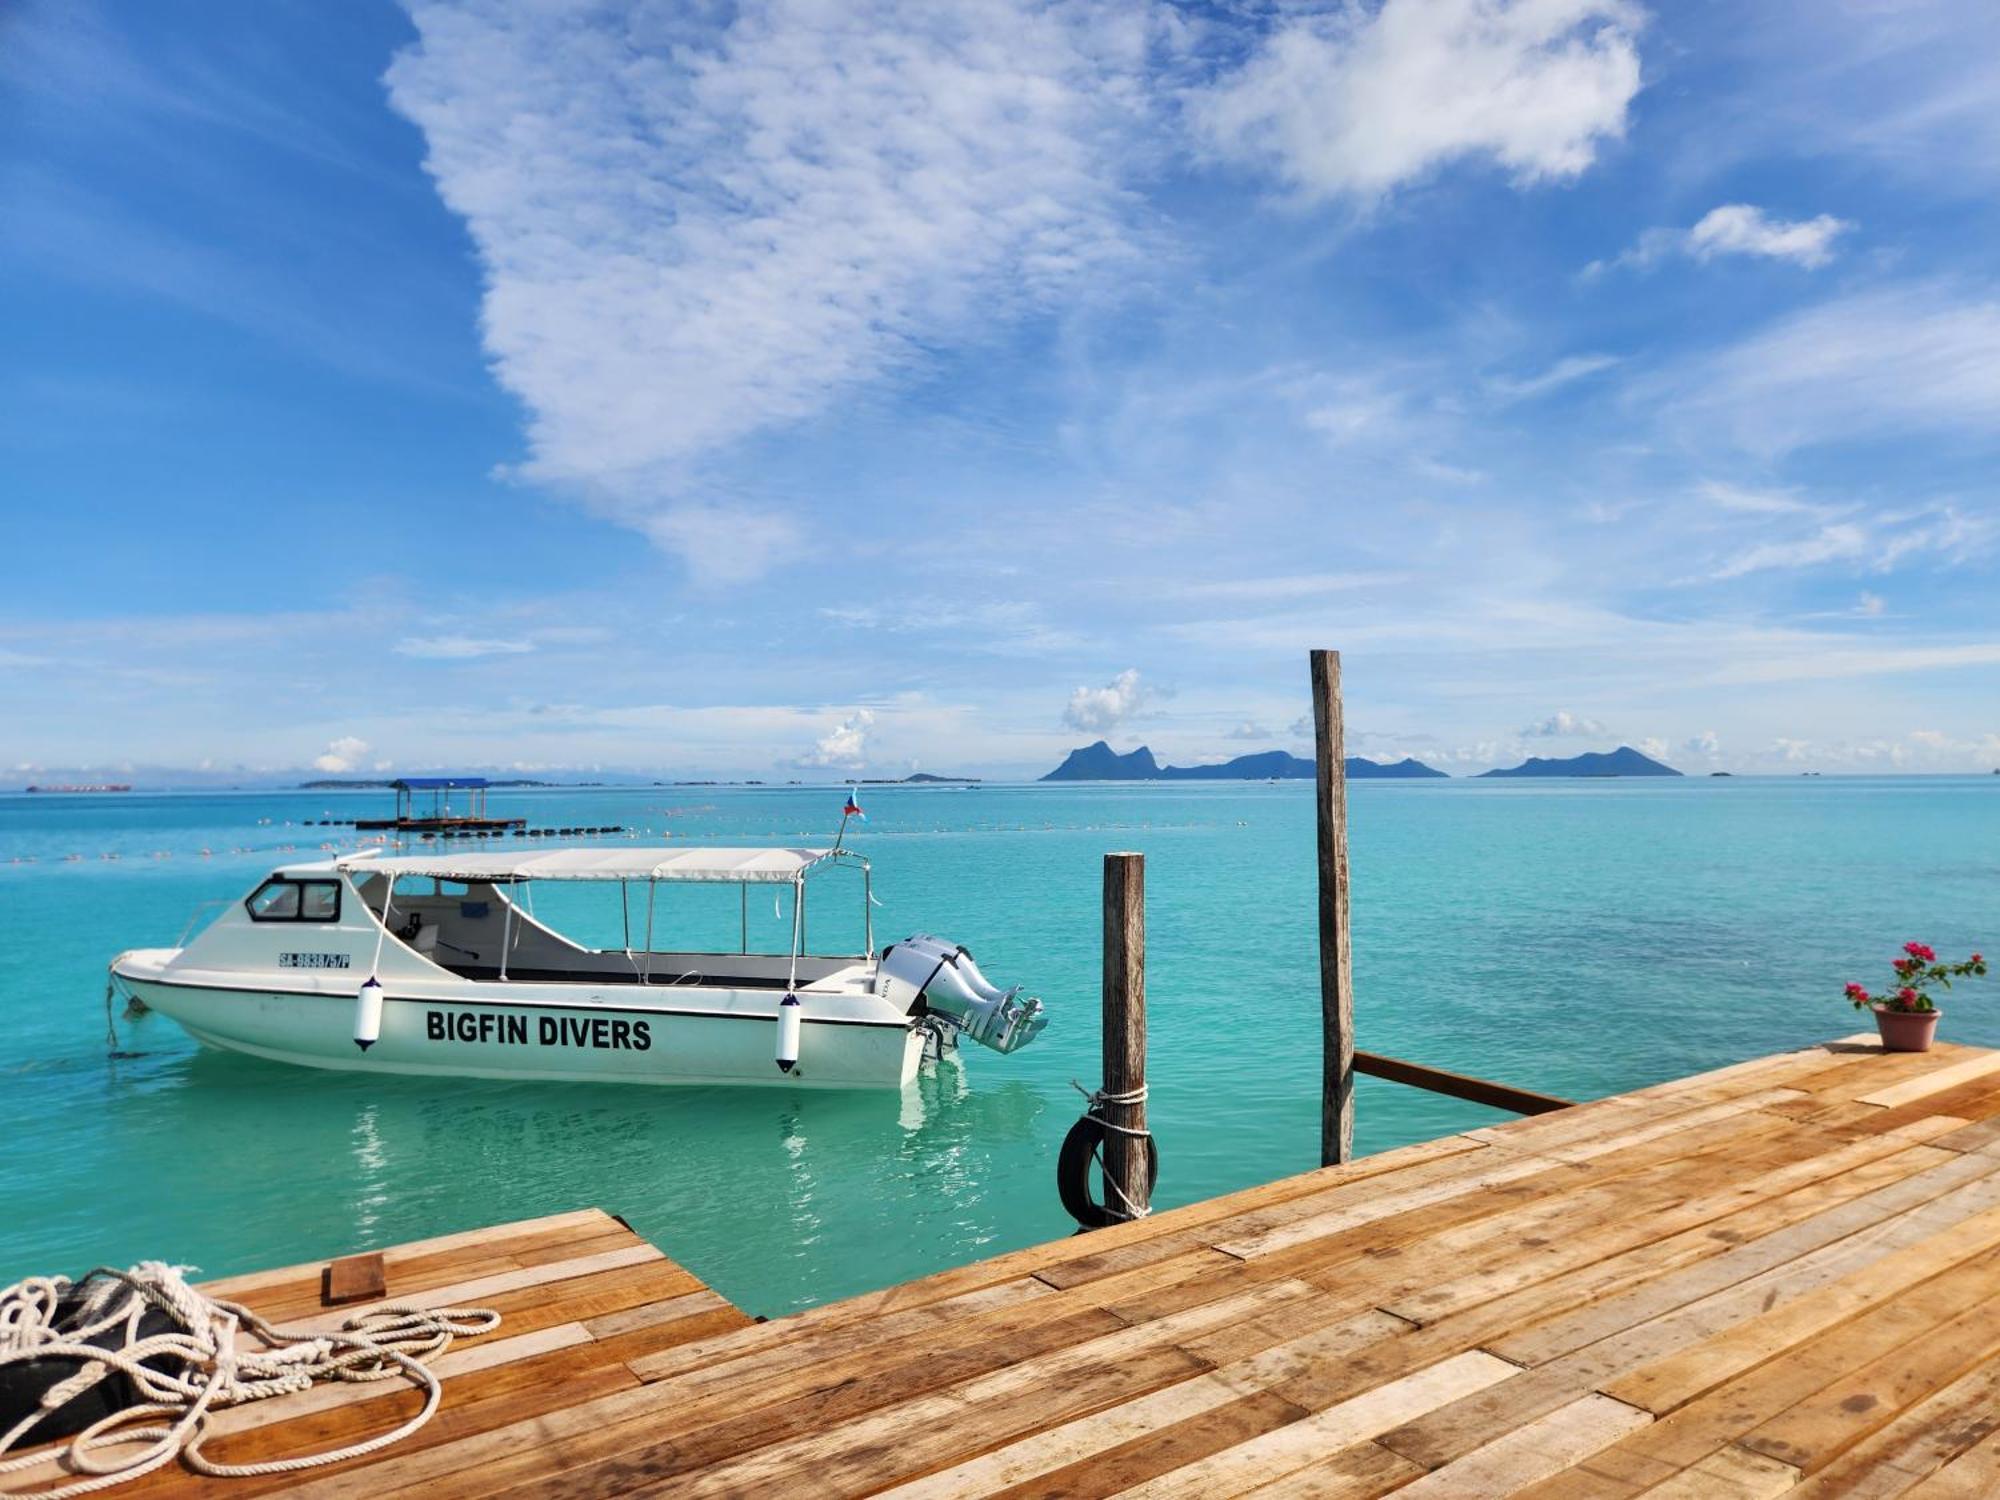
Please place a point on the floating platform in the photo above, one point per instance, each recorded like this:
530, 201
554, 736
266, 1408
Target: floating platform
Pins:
1773, 1279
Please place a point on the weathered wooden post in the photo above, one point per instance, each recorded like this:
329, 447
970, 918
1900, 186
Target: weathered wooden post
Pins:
1336, 954
1127, 1158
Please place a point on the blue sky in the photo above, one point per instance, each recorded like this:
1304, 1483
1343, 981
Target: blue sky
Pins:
822, 389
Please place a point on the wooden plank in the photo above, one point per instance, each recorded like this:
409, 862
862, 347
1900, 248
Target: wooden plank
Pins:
353, 1278
1543, 1447
1973, 1475
1675, 1322
1336, 954
920, 1434
1291, 1448
1728, 1474
1357, 1473
1458, 1085
1934, 1081
1664, 1384
1038, 1259
1821, 1249
242, 1288
1730, 1411
1532, 1245
1161, 1451
1601, 1280
1938, 1351
1919, 1443
471, 1293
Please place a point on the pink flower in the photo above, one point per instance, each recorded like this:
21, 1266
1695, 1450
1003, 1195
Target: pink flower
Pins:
1906, 995
1921, 951
1978, 958
1857, 992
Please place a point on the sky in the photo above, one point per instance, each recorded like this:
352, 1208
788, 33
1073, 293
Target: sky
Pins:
832, 388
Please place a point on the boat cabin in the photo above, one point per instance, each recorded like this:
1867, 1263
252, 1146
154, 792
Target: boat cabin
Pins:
475, 915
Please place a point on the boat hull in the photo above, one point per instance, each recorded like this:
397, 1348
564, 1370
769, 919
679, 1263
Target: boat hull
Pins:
583, 1042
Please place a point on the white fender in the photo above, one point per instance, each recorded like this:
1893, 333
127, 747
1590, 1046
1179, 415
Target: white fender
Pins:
788, 1033
368, 1014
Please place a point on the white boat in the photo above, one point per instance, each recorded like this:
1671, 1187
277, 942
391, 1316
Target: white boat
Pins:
436, 964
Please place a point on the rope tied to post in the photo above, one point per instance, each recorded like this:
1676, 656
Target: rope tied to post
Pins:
1083, 1147
173, 1353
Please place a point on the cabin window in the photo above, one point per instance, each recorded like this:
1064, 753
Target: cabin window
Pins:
295, 901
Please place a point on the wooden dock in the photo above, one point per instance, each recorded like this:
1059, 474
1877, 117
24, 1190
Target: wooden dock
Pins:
1771, 1279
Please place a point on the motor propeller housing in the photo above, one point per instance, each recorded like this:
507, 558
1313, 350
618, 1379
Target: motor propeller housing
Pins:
951, 985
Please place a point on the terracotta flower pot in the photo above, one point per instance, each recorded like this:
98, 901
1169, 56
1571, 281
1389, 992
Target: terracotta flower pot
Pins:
1906, 1030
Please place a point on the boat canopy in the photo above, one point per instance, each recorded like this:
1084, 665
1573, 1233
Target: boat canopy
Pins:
733, 866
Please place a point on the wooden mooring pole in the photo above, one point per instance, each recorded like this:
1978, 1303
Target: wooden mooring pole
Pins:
1336, 953
1127, 1159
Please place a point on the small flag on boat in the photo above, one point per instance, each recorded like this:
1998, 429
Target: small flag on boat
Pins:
853, 807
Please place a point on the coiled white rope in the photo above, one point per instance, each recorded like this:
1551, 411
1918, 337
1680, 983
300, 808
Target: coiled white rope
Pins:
1094, 1101
185, 1372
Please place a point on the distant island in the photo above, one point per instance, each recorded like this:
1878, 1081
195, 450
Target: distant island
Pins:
1624, 761
1099, 762
920, 778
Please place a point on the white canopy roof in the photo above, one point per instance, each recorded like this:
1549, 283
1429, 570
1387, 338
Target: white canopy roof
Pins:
750, 865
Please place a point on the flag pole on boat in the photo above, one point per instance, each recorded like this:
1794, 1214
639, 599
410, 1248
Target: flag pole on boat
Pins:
850, 809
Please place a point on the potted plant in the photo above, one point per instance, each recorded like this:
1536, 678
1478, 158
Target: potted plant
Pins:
1905, 1014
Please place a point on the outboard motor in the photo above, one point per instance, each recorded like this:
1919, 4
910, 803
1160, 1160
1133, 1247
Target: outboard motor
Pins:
951, 986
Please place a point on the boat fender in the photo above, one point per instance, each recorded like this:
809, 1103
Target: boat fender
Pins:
368, 1014
1080, 1148
788, 1033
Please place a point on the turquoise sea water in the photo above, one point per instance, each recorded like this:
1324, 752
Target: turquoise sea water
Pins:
1575, 937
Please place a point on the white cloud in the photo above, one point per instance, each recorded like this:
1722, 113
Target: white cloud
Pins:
1745, 229
1288, 586
1918, 359
1102, 709
1844, 541
1734, 497
1565, 371
1360, 411
1354, 102
344, 754
1735, 229
1877, 543
1249, 729
458, 647
723, 545
1870, 604
1706, 743
1562, 724
844, 747
693, 235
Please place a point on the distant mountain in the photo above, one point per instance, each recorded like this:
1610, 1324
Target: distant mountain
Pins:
1099, 762
1624, 761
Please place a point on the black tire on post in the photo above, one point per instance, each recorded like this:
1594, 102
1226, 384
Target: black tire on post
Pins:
1083, 1142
